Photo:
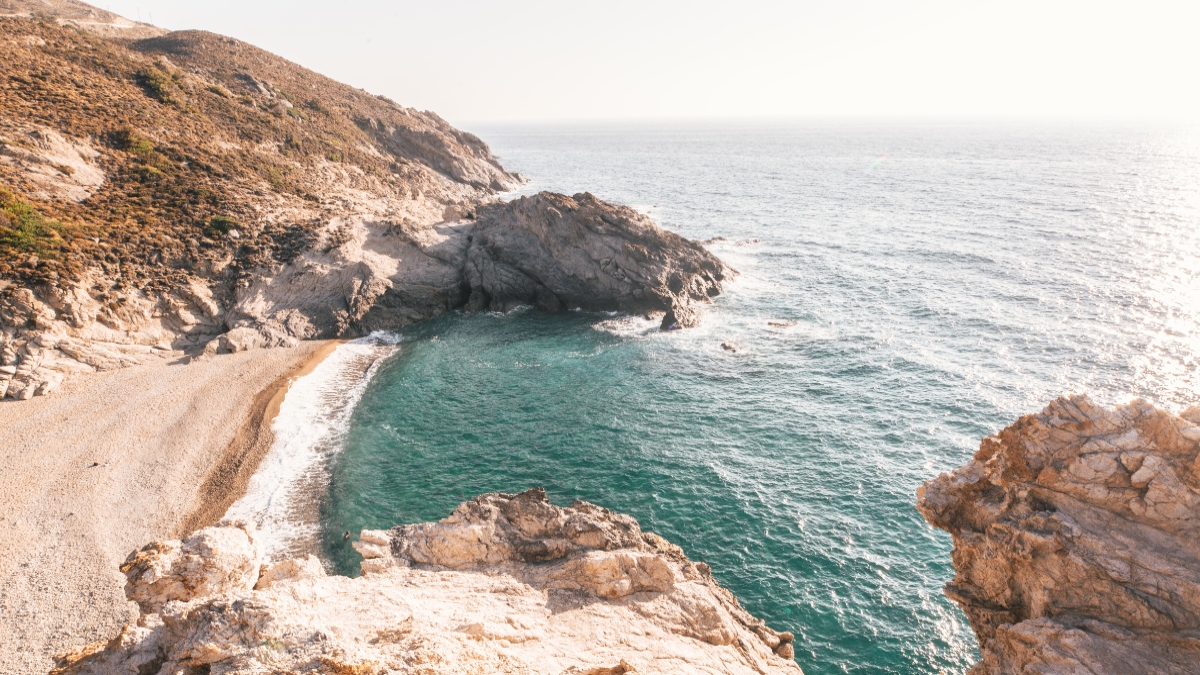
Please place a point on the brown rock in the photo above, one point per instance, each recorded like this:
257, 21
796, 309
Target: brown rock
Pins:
1075, 537
505, 584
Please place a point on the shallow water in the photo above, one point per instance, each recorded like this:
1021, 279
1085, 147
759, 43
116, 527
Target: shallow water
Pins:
943, 280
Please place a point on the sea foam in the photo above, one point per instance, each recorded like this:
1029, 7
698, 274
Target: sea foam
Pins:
283, 496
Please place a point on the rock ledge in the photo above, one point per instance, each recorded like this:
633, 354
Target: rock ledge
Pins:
506, 584
1076, 541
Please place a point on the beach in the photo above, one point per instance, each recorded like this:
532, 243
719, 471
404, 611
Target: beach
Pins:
110, 462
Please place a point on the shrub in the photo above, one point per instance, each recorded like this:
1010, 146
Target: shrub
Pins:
158, 84
220, 225
219, 90
132, 142
297, 113
275, 176
25, 230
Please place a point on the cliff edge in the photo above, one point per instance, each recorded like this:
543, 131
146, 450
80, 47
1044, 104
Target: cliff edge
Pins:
183, 193
1076, 544
506, 584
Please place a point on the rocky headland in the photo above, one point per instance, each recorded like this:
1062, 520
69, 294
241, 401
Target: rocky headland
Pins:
182, 193
505, 584
1077, 541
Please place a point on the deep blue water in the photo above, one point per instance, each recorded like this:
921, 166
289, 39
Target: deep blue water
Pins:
944, 279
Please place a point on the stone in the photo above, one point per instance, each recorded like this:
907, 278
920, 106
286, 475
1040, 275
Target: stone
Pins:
1075, 537
213, 561
557, 251
508, 583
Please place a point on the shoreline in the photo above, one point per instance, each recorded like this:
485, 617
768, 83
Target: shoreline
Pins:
110, 461
227, 480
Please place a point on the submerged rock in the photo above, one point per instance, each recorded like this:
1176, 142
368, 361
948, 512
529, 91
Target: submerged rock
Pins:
506, 584
1076, 541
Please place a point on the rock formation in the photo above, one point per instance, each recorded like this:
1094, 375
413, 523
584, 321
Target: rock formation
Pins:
506, 584
187, 193
555, 251
1077, 541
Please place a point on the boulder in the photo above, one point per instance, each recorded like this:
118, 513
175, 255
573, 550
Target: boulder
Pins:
555, 251
508, 583
1075, 541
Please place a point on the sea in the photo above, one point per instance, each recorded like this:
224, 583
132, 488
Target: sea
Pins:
905, 289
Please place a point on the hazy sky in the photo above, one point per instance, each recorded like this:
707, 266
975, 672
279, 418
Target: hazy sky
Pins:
476, 61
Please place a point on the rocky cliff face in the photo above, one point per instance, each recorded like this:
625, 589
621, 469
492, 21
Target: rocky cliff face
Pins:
1077, 541
189, 193
555, 251
506, 584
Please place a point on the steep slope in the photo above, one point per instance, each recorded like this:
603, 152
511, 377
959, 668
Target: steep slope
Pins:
1076, 537
189, 193
506, 584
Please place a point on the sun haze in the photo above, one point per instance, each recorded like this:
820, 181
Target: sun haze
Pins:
537, 60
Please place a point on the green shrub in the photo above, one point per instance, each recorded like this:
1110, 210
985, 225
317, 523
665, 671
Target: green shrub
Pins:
220, 225
158, 84
297, 113
132, 142
25, 230
276, 176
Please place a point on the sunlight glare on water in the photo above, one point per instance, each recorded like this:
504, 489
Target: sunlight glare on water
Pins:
934, 283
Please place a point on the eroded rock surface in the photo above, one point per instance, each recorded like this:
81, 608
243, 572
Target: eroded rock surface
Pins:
556, 251
550, 250
1076, 543
506, 584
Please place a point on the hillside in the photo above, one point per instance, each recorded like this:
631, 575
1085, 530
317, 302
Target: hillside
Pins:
150, 158
184, 194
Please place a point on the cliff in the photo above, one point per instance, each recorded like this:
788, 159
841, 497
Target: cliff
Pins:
164, 194
1076, 544
506, 584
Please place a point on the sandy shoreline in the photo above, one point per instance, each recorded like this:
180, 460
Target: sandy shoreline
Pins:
110, 462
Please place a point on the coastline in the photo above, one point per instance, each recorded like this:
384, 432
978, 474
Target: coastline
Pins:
113, 460
228, 479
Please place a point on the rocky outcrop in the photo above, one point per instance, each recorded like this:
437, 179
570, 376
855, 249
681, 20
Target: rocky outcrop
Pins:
362, 275
190, 194
1077, 541
506, 584
556, 251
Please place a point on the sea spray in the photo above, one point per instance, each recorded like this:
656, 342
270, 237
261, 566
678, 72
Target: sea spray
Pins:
283, 496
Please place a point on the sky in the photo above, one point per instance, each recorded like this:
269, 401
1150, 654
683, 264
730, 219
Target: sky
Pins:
535, 61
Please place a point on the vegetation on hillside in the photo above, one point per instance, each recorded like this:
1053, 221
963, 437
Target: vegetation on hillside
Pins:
195, 128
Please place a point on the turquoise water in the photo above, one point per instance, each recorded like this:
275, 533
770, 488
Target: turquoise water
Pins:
943, 280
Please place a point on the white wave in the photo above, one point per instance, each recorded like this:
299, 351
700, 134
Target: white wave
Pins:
309, 429
627, 326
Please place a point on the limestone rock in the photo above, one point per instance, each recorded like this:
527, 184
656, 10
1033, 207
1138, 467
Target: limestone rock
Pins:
549, 250
506, 584
55, 166
555, 251
213, 561
1075, 541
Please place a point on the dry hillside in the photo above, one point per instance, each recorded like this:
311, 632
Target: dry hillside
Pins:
150, 158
